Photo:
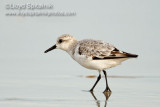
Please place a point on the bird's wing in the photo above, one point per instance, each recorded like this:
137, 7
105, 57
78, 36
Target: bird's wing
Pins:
101, 50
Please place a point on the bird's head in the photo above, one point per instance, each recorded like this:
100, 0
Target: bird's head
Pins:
64, 42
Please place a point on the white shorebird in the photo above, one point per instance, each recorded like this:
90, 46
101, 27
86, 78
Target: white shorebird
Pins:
92, 54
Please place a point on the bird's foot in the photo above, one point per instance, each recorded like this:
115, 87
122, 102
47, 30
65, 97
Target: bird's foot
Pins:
107, 90
107, 94
91, 90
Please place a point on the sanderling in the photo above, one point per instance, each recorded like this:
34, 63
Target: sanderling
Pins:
92, 54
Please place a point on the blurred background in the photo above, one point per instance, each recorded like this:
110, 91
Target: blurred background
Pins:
28, 77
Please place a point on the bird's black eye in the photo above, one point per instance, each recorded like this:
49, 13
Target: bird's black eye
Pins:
60, 41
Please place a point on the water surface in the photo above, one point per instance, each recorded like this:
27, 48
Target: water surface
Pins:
72, 91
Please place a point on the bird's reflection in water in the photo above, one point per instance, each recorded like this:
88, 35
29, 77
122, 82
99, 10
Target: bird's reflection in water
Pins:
106, 94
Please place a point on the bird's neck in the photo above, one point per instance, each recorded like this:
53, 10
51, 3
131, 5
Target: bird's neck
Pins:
72, 47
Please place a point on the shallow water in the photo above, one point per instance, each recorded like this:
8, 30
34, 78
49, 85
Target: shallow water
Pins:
72, 91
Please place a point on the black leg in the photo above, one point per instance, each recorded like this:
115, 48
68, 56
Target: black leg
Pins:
98, 78
107, 87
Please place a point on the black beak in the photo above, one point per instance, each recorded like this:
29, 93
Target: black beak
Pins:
51, 48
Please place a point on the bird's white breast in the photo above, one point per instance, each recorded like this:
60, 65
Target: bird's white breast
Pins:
89, 63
